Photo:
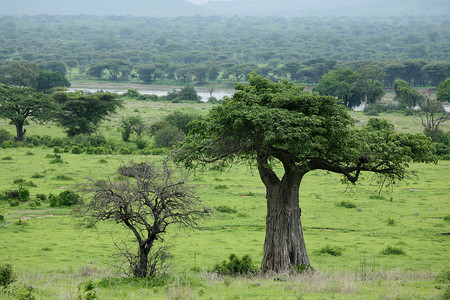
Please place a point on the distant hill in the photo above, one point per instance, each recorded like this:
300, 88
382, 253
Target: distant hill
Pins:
331, 7
100, 7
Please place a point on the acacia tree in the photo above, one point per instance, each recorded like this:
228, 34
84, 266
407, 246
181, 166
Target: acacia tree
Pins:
146, 199
280, 123
82, 113
19, 104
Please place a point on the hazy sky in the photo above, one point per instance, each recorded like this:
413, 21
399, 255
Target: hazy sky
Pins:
205, 1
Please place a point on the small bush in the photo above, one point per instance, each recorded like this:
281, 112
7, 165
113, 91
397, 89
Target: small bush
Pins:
299, 269
236, 266
346, 204
443, 276
102, 161
37, 175
7, 158
392, 251
7, 275
5, 135
226, 209
2, 218
100, 150
13, 202
63, 177
334, 251
41, 197
221, 187
66, 198
57, 150
390, 222
125, 151
76, 150
7, 144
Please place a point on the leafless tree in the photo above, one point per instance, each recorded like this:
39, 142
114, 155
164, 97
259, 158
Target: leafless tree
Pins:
432, 115
146, 199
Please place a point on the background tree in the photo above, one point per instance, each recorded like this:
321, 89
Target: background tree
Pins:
180, 120
146, 73
432, 116
82, 113
188, 93
369, 82
19, 104
341, 84
130, 125
406, 95
290, 132
50, 79
21, 74
443, 91
145, 199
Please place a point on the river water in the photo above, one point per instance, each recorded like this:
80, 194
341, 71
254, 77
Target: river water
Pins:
204, 95
219, 94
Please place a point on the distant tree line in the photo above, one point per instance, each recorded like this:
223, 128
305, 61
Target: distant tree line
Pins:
200, 49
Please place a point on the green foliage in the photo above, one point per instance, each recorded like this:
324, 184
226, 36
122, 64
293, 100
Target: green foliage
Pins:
2, 218
168, 136
346, 204
236, 266
18, 104
180, 120
443, 91
131, 93
405, 95
226, 209
65, 198
7, 144
5, 136
330, 250
76, 150
7, 275
82, 113
443, 276
389, 250
131, 125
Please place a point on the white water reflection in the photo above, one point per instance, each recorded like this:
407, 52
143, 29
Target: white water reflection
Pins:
204, 95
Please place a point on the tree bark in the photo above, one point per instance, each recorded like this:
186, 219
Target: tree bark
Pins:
19, 132
284, 246
142, 270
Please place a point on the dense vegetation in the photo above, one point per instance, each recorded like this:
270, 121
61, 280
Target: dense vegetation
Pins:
212, 48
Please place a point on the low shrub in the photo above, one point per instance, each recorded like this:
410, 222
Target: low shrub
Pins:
37, 175
63, 177
2, 218
236, 266
41, 197
299, 269
76, 150
7, 158
5, 136
392, 251
443, 276
226, 209
7, 144
334, 251
66, 198
7, 275
346, 204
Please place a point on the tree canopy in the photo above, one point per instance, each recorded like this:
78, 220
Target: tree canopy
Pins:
280, 124
82, 113
20, 103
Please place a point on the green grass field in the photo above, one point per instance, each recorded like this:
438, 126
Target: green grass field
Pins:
57, 258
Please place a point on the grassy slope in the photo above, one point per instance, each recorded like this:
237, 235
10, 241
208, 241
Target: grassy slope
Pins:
55, 257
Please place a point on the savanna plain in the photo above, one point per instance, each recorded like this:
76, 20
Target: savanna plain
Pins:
363, 243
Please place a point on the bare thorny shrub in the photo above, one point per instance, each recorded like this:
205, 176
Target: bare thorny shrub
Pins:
145, 199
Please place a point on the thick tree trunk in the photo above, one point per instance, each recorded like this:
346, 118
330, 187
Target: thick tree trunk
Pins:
19, 132
284, 246
142, 268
